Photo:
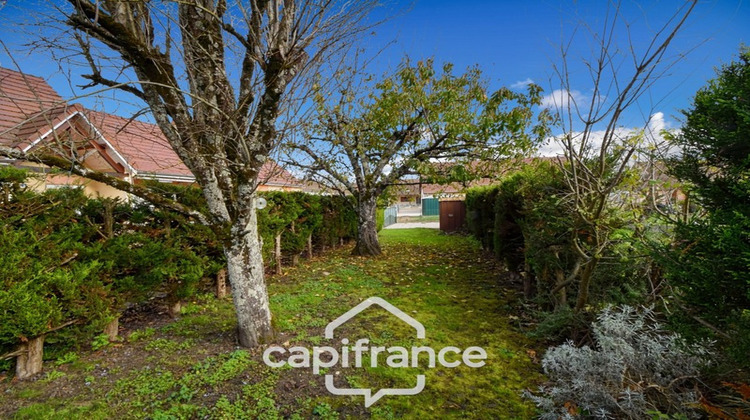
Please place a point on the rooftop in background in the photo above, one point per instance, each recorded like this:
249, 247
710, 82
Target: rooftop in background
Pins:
30, 110
26, 104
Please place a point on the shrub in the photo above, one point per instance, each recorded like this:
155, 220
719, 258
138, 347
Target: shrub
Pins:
67, 258
43, 281
480, 207
636, 370
709, 262
530, 228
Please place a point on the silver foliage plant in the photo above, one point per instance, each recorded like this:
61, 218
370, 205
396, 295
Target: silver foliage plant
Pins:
636, 370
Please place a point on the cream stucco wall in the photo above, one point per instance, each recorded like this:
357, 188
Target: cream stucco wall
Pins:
40, 181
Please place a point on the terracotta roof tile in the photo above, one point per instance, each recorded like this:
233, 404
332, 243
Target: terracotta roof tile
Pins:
29, 108
271, 173
26, 104
143, 145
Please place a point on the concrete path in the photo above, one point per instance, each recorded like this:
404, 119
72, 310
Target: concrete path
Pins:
428, 225
410, 211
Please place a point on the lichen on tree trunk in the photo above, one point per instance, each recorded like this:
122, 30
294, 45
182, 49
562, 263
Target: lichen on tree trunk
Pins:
246, 277
367, 231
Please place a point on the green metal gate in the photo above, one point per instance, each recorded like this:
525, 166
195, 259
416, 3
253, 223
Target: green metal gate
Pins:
430, 207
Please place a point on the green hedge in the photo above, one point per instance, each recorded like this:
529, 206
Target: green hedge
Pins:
480, 206
527, 222
70, 258
521, 220
297, 216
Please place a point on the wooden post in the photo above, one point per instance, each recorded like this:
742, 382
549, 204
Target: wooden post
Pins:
175, 309
278, 254
221, 284
29, 363
309, 246
112, 329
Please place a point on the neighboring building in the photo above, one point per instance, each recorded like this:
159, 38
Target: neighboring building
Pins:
33, 115
313, 187
419, 193
273, 177
408, 194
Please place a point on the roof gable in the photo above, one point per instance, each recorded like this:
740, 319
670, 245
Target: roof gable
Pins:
32, 112
26, 104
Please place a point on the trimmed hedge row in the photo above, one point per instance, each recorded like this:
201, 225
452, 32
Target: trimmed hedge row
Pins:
67, 258
522, 222
527, 222
297, 216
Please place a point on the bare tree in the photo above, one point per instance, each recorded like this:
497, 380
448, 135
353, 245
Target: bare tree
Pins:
597, 150
223, 121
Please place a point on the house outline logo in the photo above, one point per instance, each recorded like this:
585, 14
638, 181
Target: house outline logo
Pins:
302, 357
371, 398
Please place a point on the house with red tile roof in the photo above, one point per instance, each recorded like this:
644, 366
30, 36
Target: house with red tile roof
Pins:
33, 117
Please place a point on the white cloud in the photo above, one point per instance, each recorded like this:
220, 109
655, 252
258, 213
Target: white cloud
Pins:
558, 98
651, 133
654, 128
521, 84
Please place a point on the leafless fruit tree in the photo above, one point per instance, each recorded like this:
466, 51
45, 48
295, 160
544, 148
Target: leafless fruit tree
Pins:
597, 150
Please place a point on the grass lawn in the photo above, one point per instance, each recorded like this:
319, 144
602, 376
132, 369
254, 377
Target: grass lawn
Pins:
190, 367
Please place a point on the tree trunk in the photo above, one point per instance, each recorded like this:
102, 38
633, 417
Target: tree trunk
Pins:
583, 289
221, 284
367, 232
249, 294
112, 329
109, 218
528, 285
560, 279
30, 362
309, 246
277, 253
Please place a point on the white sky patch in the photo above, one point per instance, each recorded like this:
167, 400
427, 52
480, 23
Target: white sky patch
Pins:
521, 84
559, 97
652, 136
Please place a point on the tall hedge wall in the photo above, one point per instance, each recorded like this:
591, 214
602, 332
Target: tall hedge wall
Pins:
521, 221
527, 222
67, 258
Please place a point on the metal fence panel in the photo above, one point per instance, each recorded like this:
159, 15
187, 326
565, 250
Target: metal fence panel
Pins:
430, 207
391, 215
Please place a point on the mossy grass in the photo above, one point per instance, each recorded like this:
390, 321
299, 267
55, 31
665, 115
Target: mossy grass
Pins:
191, 367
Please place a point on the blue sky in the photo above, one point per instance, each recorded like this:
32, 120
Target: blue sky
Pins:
514, 41
511, 41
